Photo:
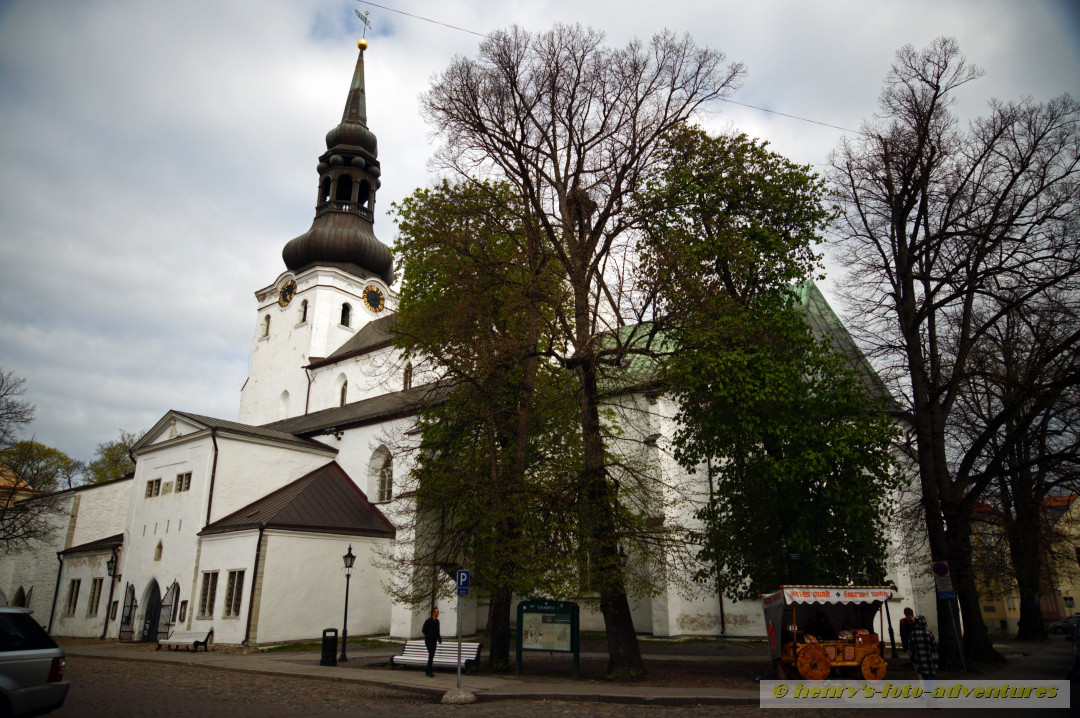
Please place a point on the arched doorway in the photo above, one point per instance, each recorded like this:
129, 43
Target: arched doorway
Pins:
152, 602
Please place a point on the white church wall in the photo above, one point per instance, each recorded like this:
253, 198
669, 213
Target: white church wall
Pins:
303, 588
82, 612
223, 554
250, 470
84, 514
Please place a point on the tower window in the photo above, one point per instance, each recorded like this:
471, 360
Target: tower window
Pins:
407, 381
266, 326
344, 392
324, 191
303, 311
344, 189
346, 316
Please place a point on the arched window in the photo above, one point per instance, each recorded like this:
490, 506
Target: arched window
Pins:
157, 552
346, 315
364, 195
344, 391
283, 405
324, 191
386, 480
303, 311
407, 382
344, 189
266, 326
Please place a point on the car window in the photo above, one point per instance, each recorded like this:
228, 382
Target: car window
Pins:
20, 632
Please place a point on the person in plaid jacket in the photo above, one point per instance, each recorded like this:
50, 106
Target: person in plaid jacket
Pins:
923, 649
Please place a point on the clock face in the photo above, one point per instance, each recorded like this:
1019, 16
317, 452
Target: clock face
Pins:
287, 291
373, 298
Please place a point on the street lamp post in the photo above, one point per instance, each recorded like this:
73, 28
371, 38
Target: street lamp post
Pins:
110, 568
349, 559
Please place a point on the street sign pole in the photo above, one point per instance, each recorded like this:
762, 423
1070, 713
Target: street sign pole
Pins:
462, 590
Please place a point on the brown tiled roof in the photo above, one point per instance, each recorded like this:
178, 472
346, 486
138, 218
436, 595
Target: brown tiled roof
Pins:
373, 335
99, 545
324, 501
366, 411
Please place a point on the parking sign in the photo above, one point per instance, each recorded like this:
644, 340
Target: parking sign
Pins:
462, 582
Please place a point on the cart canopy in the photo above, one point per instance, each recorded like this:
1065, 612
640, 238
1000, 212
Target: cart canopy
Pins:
829, 594
774, 603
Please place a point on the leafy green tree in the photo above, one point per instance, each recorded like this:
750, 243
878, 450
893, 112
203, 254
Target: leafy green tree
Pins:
112, 460
794, 446
475, 310
574, 126
46, 469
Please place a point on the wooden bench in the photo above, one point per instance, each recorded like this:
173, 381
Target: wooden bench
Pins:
189, 639
446, 655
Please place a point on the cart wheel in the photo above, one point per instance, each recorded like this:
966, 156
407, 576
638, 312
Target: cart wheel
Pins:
813, 663
873, 667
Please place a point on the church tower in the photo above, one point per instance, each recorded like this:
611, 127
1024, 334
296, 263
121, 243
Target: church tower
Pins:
338, 273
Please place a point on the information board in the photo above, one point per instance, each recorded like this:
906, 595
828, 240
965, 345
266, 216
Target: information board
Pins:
549, 626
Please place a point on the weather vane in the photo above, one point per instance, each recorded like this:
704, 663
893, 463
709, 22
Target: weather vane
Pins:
364, 19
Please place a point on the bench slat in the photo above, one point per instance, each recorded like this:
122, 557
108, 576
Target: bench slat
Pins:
446, 654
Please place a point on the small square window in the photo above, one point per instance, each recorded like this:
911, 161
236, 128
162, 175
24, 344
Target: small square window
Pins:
183, 482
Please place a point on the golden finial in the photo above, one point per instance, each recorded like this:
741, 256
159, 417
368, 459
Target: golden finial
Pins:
362, 44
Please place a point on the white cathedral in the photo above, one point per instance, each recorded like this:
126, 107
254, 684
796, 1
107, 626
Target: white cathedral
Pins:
240, 526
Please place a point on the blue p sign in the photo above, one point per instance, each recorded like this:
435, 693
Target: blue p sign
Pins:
462, 582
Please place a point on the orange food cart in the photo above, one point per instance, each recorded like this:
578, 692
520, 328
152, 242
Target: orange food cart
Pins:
814, 629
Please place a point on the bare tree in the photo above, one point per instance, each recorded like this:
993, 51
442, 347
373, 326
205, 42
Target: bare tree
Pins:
15, 412
946, 232
575, 126
1025, 367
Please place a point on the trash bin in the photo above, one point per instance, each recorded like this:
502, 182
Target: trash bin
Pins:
329, 647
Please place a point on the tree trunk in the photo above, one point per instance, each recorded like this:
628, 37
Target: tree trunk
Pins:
498, 630
624, 654
1027, 565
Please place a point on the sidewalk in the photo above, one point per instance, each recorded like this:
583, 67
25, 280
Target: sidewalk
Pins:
1025, 661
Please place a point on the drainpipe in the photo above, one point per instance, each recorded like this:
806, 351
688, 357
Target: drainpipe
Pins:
310, 379
254, 581
213, 475
56, 590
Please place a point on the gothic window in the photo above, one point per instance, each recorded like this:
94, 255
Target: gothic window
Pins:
386, 481
157, 552
266, 326
303, 311
283, 405
407, 381
344, 392
346, 315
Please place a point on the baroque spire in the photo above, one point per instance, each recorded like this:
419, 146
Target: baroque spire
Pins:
342, 235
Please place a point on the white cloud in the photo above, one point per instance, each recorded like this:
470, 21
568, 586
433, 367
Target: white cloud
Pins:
155, 157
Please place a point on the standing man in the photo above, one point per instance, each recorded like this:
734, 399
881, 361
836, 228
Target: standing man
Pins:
432, 636
906, 624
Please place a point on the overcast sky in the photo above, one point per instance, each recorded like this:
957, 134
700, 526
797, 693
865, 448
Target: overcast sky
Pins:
156, 156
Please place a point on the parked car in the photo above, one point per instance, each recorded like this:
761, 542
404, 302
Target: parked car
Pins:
1065, 625
31, 666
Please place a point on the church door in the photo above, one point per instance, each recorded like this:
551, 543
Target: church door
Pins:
153, 612
127, 621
